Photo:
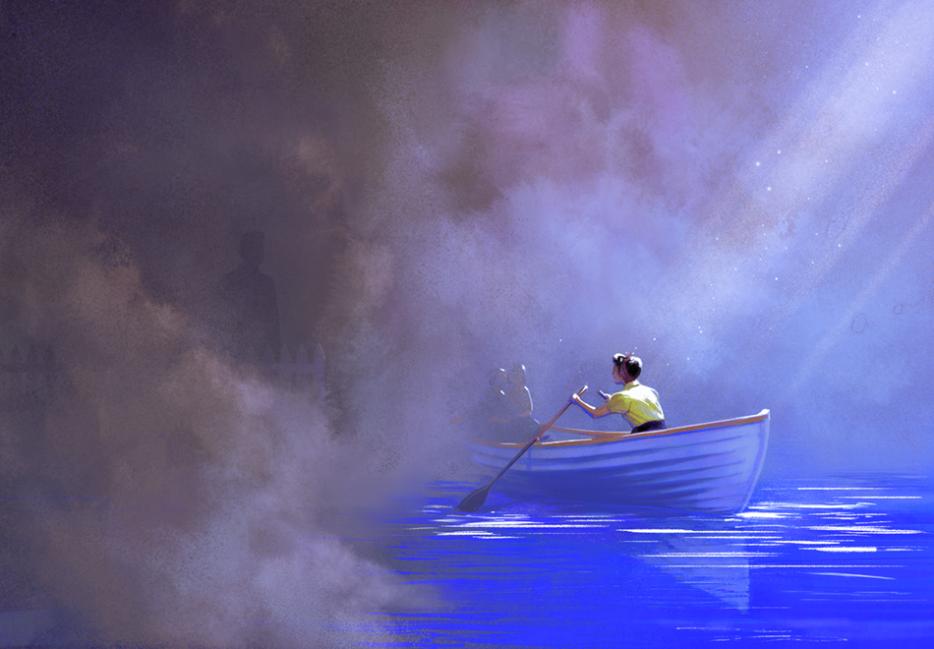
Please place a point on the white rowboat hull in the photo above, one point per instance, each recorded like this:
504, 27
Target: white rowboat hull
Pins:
711, 467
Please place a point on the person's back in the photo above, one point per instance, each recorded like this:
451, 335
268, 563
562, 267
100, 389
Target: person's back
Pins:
523, 424
638, 404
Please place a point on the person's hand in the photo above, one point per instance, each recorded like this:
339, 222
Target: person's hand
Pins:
576, 398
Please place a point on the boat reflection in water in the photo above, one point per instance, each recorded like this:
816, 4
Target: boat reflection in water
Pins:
709, 555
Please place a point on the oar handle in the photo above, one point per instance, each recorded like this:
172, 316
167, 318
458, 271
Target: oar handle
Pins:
551, 422
538, 434
475, 499
544, 428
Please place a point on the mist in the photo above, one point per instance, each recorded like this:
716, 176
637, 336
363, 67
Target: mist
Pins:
739, 193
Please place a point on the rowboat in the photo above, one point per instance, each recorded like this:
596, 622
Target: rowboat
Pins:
709, 467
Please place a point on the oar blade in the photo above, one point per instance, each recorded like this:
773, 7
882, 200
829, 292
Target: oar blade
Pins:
474, 500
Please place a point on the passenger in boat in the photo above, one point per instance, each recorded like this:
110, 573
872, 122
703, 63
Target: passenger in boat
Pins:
518, 393
638, 403
495, 409
505, 412
509, 407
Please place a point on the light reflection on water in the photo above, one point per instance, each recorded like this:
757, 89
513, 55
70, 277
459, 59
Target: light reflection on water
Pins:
848, 560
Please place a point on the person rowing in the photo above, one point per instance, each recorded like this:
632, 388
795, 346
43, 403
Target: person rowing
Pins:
637, 403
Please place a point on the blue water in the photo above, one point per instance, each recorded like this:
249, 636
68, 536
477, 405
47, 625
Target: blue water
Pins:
845, 561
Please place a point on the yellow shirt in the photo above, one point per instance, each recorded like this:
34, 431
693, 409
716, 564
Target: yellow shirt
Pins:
636, 402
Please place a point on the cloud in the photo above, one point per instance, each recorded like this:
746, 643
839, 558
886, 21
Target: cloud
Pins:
443, 192
178, 498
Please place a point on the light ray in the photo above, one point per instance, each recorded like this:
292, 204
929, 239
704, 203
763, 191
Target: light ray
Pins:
885, 270
840, 117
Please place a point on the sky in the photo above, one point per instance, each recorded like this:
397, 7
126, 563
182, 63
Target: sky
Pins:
741, 193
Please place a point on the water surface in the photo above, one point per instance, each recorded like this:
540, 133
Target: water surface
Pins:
843, 561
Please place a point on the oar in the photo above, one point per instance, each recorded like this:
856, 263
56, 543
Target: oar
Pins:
475, 500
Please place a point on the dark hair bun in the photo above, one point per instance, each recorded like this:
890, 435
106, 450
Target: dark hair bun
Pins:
634, 366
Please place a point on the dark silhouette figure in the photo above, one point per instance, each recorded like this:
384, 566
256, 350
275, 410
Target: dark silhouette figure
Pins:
250, 324
504, 413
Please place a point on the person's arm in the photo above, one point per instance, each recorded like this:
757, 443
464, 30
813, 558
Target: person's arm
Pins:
593, 411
